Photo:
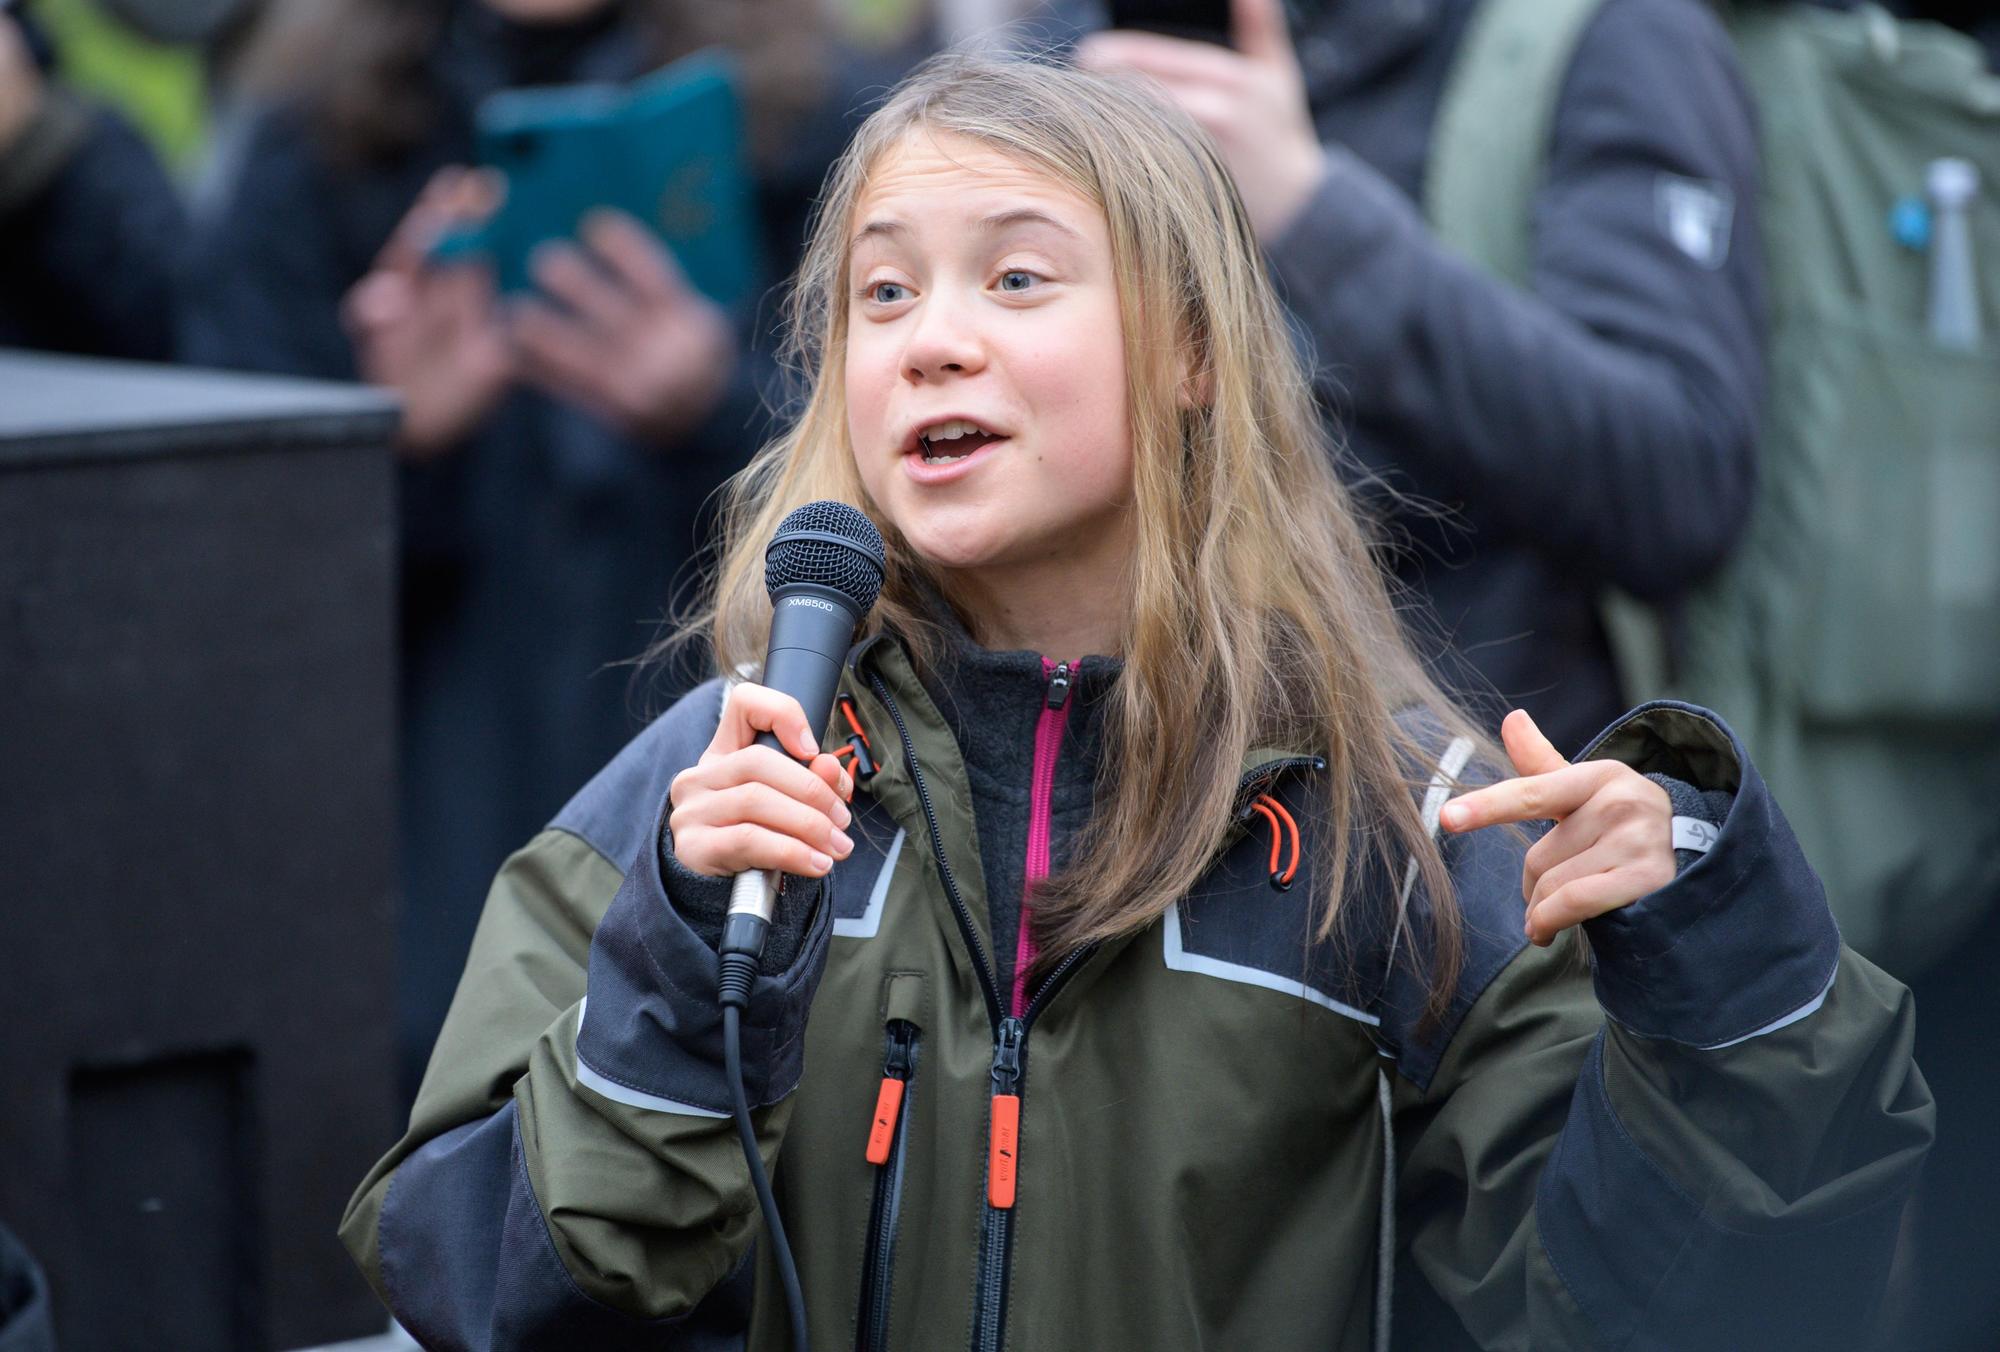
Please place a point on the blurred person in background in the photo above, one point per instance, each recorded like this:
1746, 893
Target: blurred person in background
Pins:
556, 453
91, 226
1950, 1301
1591, 425
1594, 429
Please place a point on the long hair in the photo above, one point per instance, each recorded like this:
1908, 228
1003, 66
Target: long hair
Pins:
1259, 615
359, 69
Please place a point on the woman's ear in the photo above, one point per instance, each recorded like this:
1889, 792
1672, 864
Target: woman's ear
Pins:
1195, 387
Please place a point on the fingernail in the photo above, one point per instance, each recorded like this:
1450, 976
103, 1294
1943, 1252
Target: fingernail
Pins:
842, 844
841, 816
820, 862
1453, 816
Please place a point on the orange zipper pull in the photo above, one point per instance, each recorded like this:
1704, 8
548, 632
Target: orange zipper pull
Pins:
1003, 1157
1003, 1163
888, 1103
898, 1060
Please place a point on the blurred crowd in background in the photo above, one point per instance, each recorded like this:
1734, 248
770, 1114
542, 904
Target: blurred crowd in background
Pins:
258, 186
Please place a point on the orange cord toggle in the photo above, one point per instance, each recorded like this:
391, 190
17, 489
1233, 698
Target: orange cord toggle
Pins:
864, 765
1273, 812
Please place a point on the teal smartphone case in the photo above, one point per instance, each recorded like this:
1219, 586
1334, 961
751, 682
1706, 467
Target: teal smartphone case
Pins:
667, 150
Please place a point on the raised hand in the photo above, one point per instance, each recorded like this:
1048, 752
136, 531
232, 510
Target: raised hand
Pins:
744, 806
1251, 99
1612, 842
432, 332
627, 336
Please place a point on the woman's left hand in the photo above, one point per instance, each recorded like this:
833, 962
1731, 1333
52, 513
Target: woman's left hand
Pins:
1612, 842
1250, 98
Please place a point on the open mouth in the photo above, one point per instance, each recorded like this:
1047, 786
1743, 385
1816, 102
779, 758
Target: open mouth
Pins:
952, 441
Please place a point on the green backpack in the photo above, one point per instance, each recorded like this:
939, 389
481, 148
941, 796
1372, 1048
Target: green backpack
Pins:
1853, 640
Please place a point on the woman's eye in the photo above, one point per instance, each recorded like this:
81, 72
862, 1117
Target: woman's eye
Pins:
1017, 279
885, 293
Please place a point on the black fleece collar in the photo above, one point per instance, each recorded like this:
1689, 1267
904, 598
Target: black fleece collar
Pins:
993, 701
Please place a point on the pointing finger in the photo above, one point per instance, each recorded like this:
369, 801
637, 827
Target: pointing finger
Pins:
1545, 797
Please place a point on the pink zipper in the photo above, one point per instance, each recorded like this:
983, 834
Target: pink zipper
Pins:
1048, 746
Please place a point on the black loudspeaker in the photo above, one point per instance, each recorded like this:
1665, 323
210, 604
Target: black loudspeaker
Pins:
197, 965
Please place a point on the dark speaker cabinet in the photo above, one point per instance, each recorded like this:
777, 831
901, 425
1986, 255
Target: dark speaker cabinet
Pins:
197, 1001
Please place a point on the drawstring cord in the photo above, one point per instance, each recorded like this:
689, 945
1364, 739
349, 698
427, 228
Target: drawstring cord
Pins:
1283, 829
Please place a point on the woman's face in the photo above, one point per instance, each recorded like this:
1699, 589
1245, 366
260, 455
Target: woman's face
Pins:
985, 364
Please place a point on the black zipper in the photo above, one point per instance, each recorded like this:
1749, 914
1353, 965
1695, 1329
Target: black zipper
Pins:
996, 1231
1261, 777
996, 1225
1010, 1035
1058, 694
899, 1062
1010, 1044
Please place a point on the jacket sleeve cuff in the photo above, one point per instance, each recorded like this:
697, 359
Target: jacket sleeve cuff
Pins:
1698, 816
704, 903
652, 1022
1742, 940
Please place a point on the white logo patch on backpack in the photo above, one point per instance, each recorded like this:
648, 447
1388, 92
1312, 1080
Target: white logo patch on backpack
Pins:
1696, 215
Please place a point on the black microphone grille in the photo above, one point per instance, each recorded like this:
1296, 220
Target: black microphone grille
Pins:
828, 544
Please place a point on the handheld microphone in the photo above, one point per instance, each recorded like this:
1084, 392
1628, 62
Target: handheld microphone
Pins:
823, 571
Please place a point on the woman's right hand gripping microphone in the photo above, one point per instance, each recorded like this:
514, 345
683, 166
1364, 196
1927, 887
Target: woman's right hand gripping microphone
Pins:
744, 806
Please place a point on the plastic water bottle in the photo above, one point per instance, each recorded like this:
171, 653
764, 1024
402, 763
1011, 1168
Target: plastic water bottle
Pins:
1953, 187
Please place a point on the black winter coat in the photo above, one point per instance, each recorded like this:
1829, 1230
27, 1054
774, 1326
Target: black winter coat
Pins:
1597, 430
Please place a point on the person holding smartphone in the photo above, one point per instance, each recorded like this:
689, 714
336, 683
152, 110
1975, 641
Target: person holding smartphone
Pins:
1594, 430
556, 450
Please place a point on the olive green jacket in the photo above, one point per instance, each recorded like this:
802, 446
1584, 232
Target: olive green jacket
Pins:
1228, 1138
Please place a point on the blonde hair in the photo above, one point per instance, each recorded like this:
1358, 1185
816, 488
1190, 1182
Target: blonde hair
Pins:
1259, 615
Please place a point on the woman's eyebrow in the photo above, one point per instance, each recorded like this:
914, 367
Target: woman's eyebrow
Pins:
993, 224
874, 229
1002, 220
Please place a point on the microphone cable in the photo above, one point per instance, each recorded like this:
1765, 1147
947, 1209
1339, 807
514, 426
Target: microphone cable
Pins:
823, 572
739, 970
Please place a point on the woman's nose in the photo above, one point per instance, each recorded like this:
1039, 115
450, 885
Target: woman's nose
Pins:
944, 342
